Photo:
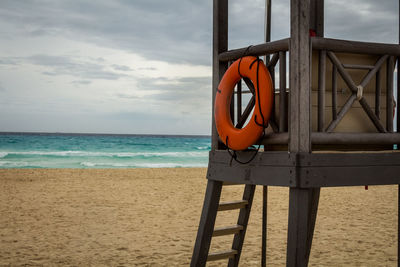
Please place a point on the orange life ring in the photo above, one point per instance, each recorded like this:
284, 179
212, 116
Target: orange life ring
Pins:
240, 139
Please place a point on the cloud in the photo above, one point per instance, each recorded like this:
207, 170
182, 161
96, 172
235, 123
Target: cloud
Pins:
63, 65
362, 20
174, 31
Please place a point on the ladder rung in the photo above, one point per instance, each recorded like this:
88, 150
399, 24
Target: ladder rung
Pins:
227, 230
232, 205
221, 255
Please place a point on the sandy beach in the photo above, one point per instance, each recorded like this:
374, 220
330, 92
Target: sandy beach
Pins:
149, 217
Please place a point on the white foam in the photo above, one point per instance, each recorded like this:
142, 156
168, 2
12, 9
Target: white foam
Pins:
106, 154
14, 164
141, 165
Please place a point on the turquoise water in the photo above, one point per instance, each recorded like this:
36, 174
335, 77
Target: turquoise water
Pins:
102, 151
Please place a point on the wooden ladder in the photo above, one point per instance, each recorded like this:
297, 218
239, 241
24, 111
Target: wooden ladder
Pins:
207, 221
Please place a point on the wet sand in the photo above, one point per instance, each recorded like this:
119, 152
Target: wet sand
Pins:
149, 217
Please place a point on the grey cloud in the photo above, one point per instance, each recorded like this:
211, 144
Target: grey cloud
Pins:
81, 82
121, 67
63, 65
190, 95
9, 61
364, 20
175, 31
180, 31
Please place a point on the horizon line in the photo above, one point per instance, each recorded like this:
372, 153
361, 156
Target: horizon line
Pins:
120, 134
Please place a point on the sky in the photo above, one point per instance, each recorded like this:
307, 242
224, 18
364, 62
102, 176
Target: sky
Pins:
138, 66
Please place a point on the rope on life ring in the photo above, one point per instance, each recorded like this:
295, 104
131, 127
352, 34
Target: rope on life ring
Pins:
241, 139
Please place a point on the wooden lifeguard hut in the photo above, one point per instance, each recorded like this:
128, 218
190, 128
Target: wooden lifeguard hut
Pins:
332, 126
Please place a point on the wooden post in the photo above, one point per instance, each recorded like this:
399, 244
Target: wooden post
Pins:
265, 188
303, 203
299, 221
220, 44
299, 64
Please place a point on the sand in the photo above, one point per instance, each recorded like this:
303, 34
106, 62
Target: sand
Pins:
149, 217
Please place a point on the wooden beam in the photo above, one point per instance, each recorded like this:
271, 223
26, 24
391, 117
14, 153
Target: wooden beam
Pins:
282, 93
299, 80
346, 107
321, 90
389, 94
355, 138
355, 47
298, 227
239, 100
256, 50
334, 92
317, 17
220, 45
378, 90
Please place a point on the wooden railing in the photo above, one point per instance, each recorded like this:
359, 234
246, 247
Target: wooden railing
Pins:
277, 52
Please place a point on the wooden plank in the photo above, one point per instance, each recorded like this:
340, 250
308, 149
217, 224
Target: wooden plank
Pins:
270, 158
243, 219
227, 230
221, 255
282, 93
349, 159
378, 90
321, 90
355, 47
220, 44
258, 175
351, 175
334, 92
355, 138
358, 67
232, 205
239, 100
389, 95
256, 50
398, 96
206, 225
276, 139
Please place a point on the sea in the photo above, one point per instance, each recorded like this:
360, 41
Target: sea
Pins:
61, 150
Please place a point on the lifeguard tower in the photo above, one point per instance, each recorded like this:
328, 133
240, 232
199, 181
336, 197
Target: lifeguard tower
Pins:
333, 125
